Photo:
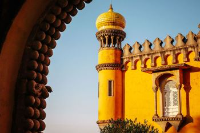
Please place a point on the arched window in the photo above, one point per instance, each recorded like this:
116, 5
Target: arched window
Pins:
170, 98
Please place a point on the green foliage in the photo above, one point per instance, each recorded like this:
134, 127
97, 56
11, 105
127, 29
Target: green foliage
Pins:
128, 126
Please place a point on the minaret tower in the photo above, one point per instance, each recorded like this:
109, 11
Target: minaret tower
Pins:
110, 34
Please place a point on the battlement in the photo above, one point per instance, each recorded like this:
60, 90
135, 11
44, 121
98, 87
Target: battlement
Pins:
183, 45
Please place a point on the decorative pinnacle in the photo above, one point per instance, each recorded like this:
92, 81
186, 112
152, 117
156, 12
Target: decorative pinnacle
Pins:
111, 8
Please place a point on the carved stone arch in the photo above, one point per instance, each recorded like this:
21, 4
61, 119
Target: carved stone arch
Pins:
126, 61
144, 61
158, 78
188, 54
134, 63
166, 56
154, 60
176, 55
32, 37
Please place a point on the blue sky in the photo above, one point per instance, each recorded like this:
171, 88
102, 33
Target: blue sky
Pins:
73, 105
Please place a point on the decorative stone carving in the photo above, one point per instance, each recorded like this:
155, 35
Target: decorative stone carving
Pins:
137, 48
102, 123
181, 47
191, 39
166, 67
168, 42
31, 91
108, 66
147, 46
127, 50
160, 77
165, 121
110, 38
157, 44
179, 40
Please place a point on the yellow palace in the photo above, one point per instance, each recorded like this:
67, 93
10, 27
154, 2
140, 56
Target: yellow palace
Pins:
159, 84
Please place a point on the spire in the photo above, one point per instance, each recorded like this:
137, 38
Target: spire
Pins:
111, 8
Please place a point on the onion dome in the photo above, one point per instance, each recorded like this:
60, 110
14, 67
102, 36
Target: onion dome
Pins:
110, 20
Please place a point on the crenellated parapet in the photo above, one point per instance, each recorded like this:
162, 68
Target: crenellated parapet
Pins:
183, 45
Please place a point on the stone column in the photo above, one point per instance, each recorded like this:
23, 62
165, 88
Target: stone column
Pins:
102, 43
179, 100
117, 42
155, 89
107, 45
112, 41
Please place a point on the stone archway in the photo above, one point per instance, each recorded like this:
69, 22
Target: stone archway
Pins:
24, 62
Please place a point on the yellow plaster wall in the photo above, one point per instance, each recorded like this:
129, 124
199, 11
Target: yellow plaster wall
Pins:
139, 102
110, 106
139, 96
109, 55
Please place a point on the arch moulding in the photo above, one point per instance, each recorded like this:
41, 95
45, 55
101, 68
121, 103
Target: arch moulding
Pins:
24, 60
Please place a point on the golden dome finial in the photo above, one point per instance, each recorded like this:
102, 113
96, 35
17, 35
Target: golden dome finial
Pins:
111, 8
110, 20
